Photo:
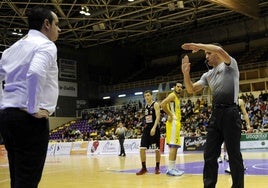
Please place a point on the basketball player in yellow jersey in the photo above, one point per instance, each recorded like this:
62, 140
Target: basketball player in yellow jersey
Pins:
171, 106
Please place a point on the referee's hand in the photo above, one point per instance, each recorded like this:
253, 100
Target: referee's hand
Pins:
249, 130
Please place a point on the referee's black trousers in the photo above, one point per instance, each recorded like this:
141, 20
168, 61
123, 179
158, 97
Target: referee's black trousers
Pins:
122, 148
224, 126
26, 140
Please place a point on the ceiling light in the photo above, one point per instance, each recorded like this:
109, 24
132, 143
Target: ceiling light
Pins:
17, 32
138, 93
84, 10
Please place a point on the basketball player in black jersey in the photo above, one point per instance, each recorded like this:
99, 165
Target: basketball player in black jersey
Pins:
151, 133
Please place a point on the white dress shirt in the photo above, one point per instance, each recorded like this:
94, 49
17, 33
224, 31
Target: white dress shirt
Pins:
29, 68
1, 91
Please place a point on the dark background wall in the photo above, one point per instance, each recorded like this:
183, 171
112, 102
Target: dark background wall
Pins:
96, 66
108, 65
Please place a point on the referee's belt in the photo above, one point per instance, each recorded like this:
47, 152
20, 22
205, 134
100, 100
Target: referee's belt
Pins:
224, 105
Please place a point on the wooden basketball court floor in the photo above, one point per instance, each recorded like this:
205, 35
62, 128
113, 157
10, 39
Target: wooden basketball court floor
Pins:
112, 171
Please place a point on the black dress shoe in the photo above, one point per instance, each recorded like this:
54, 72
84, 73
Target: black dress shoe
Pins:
120, 155
124, 155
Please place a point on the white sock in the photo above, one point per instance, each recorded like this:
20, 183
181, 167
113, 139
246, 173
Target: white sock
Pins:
171, 164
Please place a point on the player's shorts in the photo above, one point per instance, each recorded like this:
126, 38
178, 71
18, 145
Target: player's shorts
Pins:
148, 141
173, 138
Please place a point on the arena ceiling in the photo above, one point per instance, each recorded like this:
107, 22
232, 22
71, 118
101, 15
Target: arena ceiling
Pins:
121, 22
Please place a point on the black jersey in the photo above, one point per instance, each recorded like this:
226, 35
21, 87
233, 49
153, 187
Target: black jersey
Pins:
148, 141
150, 115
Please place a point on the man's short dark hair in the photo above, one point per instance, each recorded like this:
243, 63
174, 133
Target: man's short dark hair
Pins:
178, 82
148, 91
37, 16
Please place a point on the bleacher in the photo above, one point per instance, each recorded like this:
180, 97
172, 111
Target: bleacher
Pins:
79, 124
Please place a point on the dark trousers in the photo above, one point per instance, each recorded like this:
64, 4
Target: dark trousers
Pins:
224, 125
26, 140
121, 142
